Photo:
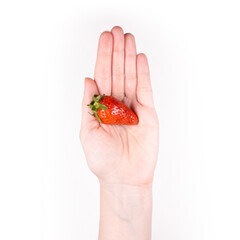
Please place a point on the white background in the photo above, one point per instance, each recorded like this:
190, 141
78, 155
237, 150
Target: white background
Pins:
46, 50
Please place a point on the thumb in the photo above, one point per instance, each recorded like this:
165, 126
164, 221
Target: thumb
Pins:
88, 121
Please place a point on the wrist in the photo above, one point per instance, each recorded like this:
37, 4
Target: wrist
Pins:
127, 209
127, 190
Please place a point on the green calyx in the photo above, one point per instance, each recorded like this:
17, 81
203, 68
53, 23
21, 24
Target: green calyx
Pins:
95, 105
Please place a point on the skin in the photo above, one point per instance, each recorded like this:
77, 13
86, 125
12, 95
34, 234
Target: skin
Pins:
122, 157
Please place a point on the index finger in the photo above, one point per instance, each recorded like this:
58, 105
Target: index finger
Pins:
103, 68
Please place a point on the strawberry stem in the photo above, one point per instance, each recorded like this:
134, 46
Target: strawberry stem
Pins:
95, 105
96, 115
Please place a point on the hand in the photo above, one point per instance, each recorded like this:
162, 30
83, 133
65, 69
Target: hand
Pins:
121, 154
122, 157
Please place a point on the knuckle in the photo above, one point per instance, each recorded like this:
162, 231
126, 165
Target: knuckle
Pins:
102, 75
130, 76
118, 74
145, 89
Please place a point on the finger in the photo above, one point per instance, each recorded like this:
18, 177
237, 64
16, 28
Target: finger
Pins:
144, 88
103, 66
118, 63
130, 66
88, 121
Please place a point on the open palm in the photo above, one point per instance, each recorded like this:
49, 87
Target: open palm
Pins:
121, 154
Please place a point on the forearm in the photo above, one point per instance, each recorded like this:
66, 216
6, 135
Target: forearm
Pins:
125, 212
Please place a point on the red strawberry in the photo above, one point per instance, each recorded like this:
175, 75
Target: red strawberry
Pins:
109, 110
